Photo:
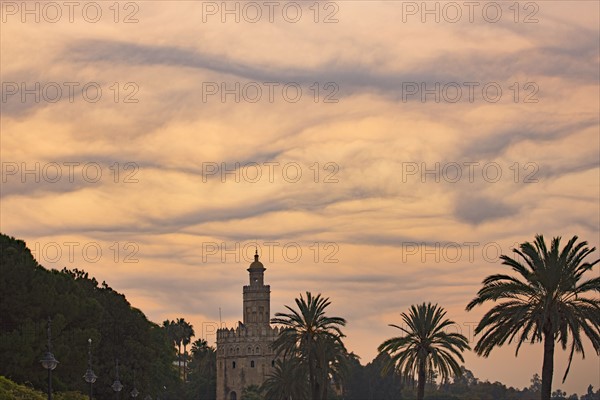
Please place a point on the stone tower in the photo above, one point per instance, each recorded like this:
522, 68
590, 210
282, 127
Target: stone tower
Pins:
244, 354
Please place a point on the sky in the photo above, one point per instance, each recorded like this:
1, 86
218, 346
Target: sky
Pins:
382, 153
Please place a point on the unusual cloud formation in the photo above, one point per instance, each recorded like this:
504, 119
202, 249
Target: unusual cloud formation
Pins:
393, 179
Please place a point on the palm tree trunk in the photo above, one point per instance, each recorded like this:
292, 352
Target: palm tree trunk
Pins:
314, 389
548, 366
179, 358
421, 383
184, 361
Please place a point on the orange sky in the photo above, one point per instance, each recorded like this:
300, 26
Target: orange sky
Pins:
385, 158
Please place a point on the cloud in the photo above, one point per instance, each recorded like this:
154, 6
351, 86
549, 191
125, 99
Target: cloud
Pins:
477, 209
369, 213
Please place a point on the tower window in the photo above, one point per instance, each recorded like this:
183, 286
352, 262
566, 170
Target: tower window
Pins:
257, 351
273, 363
252, 364
233, 365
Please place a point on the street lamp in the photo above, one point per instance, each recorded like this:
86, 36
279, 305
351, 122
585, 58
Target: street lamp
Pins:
117, 386
90, 377
49, 362
134, 393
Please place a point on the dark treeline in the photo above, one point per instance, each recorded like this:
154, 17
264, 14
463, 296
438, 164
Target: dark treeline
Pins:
317, 369
368, 383
80, 309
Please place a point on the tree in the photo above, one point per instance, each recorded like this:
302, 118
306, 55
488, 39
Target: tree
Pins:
425, 347
308, 333
179, 336
202, 378
536, 383
559, 395
180, 332
187, 331
172, 332
590, 395
80, 309
287, 381
546, 303
252, 392
336, 362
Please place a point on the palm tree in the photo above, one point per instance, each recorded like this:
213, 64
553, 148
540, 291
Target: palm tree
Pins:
168, 326
204, 367
199, 347
187, 331
170, 331
425, 347
545, 303
336, 362
174, 334
287, 381
306, 333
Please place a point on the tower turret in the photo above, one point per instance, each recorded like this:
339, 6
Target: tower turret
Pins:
257, 296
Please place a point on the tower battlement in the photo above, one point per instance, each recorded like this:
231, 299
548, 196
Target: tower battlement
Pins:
244, 354
242, 332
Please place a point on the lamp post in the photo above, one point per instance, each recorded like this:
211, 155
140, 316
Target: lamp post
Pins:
134, 393
117, 386
90, 377
48, 361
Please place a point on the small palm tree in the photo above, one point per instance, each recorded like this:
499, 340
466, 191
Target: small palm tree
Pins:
335, 362
203, 366
288, 381
305, 334
545, 303
425, 347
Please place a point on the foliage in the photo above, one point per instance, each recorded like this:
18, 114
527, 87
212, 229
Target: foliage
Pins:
368, 383
425, 347
315, 340
288, 381
180, 332
80, 309
545, 302
10, 390
252, 392
202, 378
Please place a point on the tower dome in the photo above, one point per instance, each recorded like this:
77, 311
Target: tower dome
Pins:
256, 265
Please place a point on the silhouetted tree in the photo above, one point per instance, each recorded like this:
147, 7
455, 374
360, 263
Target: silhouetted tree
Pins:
314, 338
546, 303
287, 381
425, 347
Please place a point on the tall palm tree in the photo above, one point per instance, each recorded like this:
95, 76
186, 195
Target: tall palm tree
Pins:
175, 335
287, 381
170, 331
187, 331
168, 326
425, 347
545, 303
305, 334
